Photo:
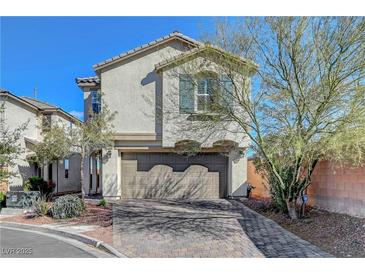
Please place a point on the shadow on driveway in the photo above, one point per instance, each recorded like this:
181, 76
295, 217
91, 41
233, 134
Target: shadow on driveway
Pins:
150, 228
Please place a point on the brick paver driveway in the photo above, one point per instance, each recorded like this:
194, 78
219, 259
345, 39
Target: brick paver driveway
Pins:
215, 228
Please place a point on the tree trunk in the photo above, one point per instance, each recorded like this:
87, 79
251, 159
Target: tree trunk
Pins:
82, 177
292, 211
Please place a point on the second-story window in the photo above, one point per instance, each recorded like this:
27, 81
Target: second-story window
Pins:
66, 163
96, 101
204, 92
207, 86
46, 122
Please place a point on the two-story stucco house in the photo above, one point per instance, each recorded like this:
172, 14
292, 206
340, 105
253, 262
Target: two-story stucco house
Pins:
158, 109
65, 173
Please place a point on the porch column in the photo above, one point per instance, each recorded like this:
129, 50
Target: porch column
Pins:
111, 174
237, 175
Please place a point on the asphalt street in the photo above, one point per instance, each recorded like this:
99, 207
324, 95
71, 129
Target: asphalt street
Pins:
19, 243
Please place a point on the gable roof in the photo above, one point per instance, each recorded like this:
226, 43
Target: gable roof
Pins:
38, 105
172, 36
209, 49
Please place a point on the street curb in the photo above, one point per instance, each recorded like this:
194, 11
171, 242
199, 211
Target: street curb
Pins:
81, 238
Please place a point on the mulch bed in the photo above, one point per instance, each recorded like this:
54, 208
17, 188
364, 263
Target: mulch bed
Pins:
338, 234
94, 215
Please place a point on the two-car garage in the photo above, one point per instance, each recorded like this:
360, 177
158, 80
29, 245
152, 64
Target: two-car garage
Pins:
173, 176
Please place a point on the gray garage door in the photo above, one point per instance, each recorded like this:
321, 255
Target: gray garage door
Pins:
207, 170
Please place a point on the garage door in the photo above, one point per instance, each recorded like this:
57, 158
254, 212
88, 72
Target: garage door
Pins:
168, 175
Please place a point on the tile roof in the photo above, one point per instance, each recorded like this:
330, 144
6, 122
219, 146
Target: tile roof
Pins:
201, 48
88, 80
173, 35
39, 104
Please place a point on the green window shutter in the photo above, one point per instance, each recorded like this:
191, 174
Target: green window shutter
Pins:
226, 90
186, 94
202, 86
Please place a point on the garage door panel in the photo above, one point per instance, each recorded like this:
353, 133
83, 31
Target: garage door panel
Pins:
168, 175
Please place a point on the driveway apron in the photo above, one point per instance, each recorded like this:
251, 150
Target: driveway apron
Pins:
202, 228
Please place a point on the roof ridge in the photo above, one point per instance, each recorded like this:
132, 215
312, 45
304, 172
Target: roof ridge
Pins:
38, 101
147, 45
35, 104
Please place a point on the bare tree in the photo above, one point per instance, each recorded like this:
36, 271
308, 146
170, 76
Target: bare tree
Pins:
307, 100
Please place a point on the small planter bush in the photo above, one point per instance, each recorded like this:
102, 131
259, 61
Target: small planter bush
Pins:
102, 202
67, 206
40, 207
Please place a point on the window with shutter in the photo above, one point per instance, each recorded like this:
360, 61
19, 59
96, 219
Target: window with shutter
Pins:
186, 94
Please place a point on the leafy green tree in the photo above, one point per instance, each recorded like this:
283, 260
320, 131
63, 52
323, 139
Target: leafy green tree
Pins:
307, 100
55, 144
94, 135
10, 149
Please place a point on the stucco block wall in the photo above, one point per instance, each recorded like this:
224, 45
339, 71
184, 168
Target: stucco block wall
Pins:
337, 189
255, 179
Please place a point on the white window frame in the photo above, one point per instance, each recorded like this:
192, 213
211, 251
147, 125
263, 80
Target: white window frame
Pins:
206, 95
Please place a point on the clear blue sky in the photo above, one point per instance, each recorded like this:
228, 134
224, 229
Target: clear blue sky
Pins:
49, 52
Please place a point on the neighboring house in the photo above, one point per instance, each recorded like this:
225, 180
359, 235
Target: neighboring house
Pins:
65, 173
159, 109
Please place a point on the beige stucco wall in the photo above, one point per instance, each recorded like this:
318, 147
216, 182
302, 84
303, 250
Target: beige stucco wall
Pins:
237, 166
179, 126
111, 174
72, 183
132, 88
15, 115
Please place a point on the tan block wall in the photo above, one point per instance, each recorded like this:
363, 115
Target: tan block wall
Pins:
258, 181
337, 189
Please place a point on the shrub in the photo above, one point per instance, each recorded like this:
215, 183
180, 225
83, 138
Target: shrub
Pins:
102, 202
67, 206
36, 183
40, 207
27, 186
27, 198
2, 199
